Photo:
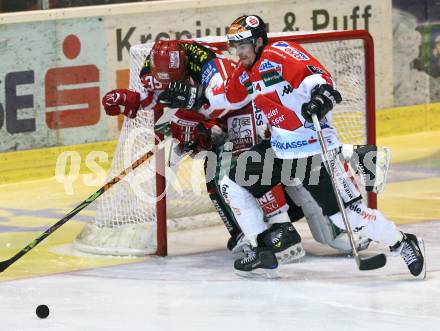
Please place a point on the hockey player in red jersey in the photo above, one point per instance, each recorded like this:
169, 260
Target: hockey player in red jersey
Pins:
288, 86
186, 74
177, 63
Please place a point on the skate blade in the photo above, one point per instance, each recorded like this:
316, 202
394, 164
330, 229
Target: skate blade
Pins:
422, 275
259, 273
293, 254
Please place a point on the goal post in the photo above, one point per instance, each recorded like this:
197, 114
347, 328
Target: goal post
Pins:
133, 218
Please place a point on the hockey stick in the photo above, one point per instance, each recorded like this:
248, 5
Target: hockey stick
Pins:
369, 263
7, 263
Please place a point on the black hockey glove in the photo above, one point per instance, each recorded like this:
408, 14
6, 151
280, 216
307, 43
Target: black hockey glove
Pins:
323, 99
183, 95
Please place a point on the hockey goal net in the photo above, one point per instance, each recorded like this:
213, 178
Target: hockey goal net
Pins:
133, 217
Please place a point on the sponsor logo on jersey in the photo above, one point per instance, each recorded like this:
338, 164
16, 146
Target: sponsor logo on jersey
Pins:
243, 77
224, 192
252, 21
315, 70
312, 140
289, 144
290, 50
163, 75
267, 65
362, 213
240, 132
208, 71
258, 115
268, 203
174, 60
271, 78
183, 122
249, 87
287, 89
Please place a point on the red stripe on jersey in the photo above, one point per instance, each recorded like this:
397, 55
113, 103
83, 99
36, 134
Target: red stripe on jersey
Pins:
328, 79
148, 100
216, 113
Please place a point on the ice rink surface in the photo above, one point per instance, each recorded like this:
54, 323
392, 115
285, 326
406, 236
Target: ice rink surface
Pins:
199, 291
195, 287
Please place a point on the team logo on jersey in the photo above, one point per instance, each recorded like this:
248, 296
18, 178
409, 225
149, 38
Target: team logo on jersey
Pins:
267, 65
243, 77
291, 51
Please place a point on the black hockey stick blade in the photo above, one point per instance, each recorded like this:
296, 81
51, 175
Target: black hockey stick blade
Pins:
371, 263
5, 264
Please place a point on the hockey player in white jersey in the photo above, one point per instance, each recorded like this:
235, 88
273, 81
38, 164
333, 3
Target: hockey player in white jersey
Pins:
242, 126
264, 72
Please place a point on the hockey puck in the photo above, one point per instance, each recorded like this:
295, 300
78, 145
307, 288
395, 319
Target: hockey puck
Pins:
42, 311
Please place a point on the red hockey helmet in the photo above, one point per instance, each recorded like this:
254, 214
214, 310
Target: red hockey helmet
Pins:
168, 61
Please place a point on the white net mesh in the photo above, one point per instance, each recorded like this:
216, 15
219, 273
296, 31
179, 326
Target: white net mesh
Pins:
125, 222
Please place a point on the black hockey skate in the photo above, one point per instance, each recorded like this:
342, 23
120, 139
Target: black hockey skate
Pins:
257, 262
284, 241
412, 251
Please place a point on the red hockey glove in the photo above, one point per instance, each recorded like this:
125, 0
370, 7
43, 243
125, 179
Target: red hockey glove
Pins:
187, 128
121, 97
